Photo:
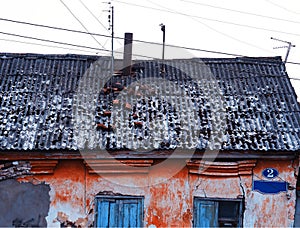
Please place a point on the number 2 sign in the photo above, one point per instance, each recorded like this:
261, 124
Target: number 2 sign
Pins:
270, 173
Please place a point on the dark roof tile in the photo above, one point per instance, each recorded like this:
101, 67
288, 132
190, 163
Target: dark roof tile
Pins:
70, 102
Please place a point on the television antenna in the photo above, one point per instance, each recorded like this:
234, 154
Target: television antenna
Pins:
111, 28
289, 46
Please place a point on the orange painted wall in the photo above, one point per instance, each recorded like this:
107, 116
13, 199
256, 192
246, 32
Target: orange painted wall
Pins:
167, 201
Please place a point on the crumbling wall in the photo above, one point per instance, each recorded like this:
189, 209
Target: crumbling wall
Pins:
271, 210
14, 169
23, 204
168, 202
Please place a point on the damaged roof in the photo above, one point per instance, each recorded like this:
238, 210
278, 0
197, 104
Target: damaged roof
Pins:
71, 102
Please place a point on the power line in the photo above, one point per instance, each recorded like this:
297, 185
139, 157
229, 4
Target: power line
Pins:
242, 12
295, 63
70, 11
156, 43
53, 27
97, 34
211, 28
280, 6
144, 56
93, 15
69, 44
121, 38
75, 45
51, 41
218, 68
295, 79
44, 45
210, 19
192, 49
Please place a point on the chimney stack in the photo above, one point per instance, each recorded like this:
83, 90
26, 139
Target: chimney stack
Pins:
127, 59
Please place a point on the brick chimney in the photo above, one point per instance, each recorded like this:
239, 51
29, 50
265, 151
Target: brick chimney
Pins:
127, 59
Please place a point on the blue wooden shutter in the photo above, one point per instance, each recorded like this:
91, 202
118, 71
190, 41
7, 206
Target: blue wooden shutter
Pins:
131, 213
119, 212
113, 211
107, 210
103, 213
205, 213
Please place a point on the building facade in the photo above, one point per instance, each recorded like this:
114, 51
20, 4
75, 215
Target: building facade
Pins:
206, 142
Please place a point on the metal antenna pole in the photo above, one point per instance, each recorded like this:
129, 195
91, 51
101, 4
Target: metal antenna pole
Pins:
288, 51
111, 27
112, 41
290, 45
163, 29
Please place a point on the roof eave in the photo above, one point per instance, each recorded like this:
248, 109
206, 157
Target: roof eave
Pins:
155, 154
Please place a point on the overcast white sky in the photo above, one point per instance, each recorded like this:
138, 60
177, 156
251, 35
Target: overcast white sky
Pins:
232, 26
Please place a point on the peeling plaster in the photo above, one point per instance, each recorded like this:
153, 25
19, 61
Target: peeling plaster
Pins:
14, 169
169, 203
23, 204
65, 221
280, 207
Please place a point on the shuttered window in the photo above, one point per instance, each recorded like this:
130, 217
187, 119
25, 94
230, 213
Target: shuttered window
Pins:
119, 211
205, 214
217, 212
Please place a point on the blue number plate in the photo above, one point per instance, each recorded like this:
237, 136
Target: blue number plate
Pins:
270, 173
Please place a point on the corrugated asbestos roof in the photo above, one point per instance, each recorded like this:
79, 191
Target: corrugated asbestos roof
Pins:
70, 102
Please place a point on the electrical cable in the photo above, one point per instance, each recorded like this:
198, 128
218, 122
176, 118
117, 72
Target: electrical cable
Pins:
137, 55
242, 12
53, 27
69, 44
94, 16
295, 63
52, 41
210, 19
211, 28
295, 79
280, 6
75, 45
70, 11
135, 40
97, 34
218, 68
44, 45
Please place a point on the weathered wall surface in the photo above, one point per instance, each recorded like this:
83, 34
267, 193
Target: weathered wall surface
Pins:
67, 193
267, 210
169, 203
23, 204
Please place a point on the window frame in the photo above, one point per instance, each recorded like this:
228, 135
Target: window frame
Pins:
118, 198
216, 201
